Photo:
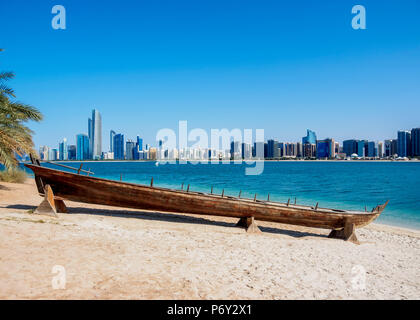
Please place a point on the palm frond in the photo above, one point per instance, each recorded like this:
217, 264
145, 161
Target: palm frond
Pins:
6, 75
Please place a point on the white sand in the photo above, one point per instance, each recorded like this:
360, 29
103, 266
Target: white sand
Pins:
116, 253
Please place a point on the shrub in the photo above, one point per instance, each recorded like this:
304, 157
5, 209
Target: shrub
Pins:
13, 175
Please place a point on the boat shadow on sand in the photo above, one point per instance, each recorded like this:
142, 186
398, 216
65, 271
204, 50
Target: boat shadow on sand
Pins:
186, 219
168, 217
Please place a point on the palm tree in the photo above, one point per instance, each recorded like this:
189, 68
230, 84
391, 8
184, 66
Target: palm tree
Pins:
15, 137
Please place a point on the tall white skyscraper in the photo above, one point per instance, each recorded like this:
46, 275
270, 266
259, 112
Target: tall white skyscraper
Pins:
95, 135
90, 135
111, 140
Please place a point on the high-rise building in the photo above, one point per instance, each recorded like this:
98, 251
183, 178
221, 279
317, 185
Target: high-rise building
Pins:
289, 150
152, 154
371, 149
380, 149
130, 146
394, 147
44, 153
404, 144
119, 146
337, 148
258, 150
246, 150
82, 147
140, 143
361, 148
350, 147
63, 151
309, 150
299, 150
138, 148
273, 149
111, 140
95, 134
281, 150
90, 135
53, 155
235, 150
415, 142
310, 137
387, 148
390, 147
325, 149
72, 152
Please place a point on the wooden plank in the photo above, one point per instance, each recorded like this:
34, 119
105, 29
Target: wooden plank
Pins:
69, 167
93, 190
47, 206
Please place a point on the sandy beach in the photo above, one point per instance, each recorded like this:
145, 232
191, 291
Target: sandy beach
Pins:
115, 253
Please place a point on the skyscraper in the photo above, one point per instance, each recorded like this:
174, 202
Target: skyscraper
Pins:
415, 142
90, 136
380, 149
258, 150
390, 147
404, 144
53, 154
140, 143
62, 149
129, 149
235, 150
299, 150
82, 147
371, 149
309, 150
246, 151
95, 134
111, 140
119, 146
350, 147
310, 137
325, 149
72, 152
361, 148
273, 149
44, 153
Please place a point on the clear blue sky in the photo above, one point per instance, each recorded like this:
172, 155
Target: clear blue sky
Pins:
283, 66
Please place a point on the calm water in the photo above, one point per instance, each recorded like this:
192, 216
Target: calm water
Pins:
344, 185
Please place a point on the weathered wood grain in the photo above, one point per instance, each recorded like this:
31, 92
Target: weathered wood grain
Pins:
88, 189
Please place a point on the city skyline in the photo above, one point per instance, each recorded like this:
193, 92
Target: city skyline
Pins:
281, 67
89, 147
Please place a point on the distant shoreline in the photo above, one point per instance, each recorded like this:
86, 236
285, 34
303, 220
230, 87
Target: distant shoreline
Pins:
221, 161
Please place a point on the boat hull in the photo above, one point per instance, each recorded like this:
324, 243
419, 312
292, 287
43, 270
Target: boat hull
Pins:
88, 189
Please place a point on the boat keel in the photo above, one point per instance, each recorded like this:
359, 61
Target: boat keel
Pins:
249, 224
51, 205
348, 233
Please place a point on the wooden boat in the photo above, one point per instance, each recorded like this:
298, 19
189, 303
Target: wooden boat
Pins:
58, 185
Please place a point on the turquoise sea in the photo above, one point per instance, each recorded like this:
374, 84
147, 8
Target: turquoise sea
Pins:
342, 185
